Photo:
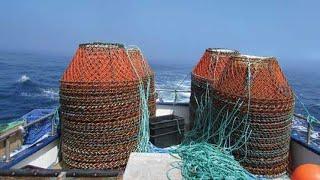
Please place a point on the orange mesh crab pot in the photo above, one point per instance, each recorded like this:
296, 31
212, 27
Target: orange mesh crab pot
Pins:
206, 74
268, 103
146, 74
100, 104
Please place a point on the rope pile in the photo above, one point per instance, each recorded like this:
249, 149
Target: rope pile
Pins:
206, 161
268, 104
100, 108
207, 71
200, 158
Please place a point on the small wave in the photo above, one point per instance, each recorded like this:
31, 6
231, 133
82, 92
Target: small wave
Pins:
47, 93
51, 93
315, 135
23, 78
300, 128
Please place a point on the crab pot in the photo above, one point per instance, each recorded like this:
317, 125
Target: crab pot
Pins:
166, 130
206, 74
268, 104
146, 74
100, 105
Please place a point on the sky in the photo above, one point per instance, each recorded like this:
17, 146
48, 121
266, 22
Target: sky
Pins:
166, 31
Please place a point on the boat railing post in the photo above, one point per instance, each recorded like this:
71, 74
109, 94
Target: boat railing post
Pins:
62, 176
309, 133
7, 149
174, 101
175, 96
52, 126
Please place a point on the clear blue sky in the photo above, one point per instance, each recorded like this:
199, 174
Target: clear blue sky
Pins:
165, 30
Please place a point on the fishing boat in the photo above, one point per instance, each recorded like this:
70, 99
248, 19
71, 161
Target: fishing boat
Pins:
41, 158
107, 126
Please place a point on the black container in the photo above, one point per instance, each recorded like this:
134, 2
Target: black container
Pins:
166, 130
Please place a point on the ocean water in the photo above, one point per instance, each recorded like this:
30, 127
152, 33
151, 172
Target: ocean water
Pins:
29, 81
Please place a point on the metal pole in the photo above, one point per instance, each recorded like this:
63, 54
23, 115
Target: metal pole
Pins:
309, 133
62, 176
52, 127
7, 149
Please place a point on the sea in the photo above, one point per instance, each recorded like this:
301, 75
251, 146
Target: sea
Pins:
30, 80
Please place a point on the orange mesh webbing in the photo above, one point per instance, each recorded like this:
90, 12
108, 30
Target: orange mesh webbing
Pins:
104, 63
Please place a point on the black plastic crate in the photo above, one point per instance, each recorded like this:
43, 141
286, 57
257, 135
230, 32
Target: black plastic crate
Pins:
166, 130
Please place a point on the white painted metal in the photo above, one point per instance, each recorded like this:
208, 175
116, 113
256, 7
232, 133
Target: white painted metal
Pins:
44, 158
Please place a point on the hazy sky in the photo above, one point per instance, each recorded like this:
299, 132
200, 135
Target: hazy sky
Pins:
165, 30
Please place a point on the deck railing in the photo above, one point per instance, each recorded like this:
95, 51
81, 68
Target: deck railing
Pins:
176, 95
6, 136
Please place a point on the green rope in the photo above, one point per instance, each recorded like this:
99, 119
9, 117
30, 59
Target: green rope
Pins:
206, 152
144, 131
207, 161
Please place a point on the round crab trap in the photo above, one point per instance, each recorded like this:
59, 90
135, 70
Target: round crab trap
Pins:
207, 73
100, 105
147, 76
267, 103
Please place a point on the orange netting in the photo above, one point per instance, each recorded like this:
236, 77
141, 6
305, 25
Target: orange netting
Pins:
212, 64
100, 107
99, 64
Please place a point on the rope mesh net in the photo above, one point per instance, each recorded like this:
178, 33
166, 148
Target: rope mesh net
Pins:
100, 97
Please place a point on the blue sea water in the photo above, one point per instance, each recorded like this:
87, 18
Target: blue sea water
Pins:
29, 81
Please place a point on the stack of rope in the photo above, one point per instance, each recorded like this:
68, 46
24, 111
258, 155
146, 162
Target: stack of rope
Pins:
100, 108
207, 72
268, 103
146, 74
